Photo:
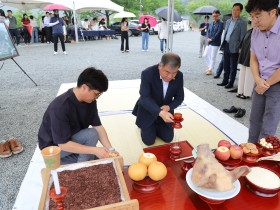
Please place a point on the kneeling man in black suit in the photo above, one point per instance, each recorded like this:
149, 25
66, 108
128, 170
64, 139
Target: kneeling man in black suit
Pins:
161, 91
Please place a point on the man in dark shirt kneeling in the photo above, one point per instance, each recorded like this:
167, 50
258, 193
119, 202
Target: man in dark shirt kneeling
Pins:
68, 117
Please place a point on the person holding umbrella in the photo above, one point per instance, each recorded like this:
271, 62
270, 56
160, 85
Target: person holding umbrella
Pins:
214, 35
59, 31
163, 34
203, 39
145, 28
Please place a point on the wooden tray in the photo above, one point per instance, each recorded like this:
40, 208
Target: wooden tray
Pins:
127, 204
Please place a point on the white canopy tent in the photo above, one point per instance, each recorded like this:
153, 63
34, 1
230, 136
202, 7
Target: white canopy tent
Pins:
84, 5
75, 5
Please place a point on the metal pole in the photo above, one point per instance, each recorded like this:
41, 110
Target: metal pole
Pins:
168, 26
75, 22
172, 20
140, 8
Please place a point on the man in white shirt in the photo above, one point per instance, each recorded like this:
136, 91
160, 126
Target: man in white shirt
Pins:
47, 19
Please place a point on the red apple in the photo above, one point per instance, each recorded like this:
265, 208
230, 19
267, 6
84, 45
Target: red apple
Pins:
224, 143
222, 153
236, 152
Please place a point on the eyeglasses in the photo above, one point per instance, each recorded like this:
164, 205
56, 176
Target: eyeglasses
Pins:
97, 95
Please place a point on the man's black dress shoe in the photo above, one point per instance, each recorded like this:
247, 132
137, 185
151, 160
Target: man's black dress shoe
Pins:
216, 77
222, 84
228, 86
240, 113
233, 90
244, 97
232, 109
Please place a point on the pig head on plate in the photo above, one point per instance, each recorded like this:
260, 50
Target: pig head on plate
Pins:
209, 173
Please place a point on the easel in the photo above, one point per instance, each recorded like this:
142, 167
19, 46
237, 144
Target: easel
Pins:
10, 42
21, 70
24, 72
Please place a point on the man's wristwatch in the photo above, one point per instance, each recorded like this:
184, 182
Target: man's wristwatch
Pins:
111, 149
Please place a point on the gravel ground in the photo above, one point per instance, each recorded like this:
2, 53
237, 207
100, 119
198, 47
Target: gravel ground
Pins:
22, 104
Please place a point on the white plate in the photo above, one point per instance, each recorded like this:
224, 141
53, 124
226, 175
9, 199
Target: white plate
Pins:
212, 194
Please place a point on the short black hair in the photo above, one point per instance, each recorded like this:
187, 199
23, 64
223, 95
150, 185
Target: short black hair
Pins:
47, 13
2, 13
171, 59
31, 17
238, 5
94, 78
9, 11
265, 5
216, 11
206, 17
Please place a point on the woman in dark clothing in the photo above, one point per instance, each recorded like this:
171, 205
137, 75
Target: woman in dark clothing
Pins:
26, 22
246, 80
124, 35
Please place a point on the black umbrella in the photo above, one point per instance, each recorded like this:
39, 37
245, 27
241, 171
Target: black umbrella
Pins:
163, 12
204, 10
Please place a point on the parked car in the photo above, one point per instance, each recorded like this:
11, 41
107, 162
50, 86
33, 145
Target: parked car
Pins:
134, 29
154, 30
136, 21
178, 26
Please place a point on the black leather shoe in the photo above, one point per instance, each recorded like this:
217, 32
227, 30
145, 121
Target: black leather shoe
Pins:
232, 109
216, 77
228, 86
222, 84
240, 113
244, 97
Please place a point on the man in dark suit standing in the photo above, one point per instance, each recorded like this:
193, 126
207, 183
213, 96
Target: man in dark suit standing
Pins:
235, 30
161, 91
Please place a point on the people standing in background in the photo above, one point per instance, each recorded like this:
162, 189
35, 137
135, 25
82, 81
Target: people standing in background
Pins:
34, 25
13, 26
265, 67
4, 18
214, 36
162, 34
58, 31
235, 30
43, 30
145, 28
124, 35
48, 28
203, 39
26, 22
246, 81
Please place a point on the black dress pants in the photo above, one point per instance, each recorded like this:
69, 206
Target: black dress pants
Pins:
14, 33
48, 34
61, 38
159, 128
124, 36
230, 65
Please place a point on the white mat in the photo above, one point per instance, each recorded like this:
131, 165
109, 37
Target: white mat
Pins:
31, 187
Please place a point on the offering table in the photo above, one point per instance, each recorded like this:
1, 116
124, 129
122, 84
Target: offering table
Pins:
174, 192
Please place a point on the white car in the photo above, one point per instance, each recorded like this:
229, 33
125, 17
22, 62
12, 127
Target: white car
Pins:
178, 26
154, 30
